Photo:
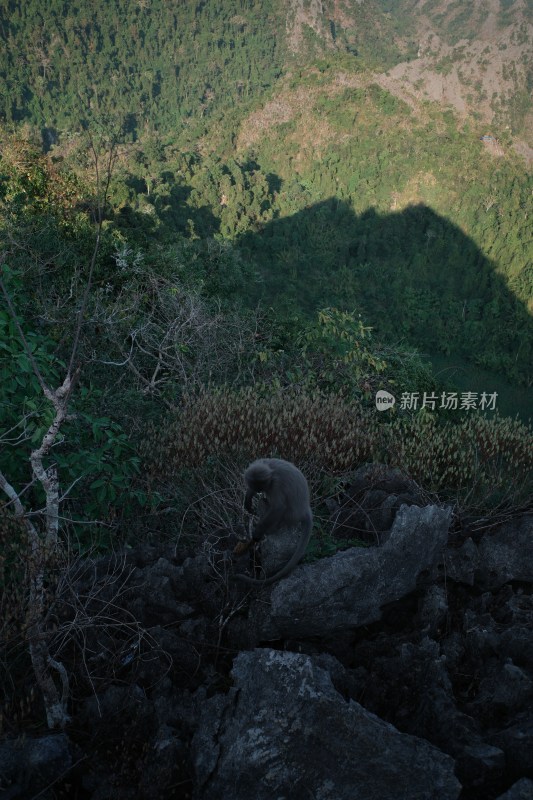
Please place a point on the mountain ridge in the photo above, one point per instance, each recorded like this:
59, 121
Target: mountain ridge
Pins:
225, 129
162, 64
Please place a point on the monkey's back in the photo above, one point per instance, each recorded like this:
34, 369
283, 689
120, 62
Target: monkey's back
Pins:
284, 508
290, 485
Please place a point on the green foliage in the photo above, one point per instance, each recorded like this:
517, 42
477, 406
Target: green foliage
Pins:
343, 341
352, 200
45, 226
210, 267
333, 354
453, 21
118, 57
336, 353
98, 457
439, 261
25, 415
164, 66
438, 287
31, 183
93, 453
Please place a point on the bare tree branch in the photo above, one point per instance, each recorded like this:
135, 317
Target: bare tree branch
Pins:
42, 547
55, 705
13, 497
101, 200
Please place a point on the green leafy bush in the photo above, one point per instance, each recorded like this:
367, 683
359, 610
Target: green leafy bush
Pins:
97, 464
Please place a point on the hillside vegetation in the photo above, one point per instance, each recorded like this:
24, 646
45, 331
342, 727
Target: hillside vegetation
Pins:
224, 227
273, 208
303, 133
161, 64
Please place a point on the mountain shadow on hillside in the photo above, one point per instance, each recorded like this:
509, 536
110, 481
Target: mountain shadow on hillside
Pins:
412, 274
164, 212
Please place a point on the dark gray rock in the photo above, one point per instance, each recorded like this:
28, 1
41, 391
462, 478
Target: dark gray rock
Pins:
283, 731
461, 564
504, 691
29, 766
158, 593
452, 650
521, 790
433, 713
517, 643
169, 753
433, 610
481, 765
277, 550
507, 554
435, 642
409, 685
367, 508
516, 741
350, 588
481, 637
169, 652
112, 702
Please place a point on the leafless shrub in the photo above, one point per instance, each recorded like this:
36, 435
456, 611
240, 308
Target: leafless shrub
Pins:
94, 631
170, 337
42, 530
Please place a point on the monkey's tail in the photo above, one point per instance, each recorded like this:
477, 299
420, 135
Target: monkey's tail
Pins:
288, 567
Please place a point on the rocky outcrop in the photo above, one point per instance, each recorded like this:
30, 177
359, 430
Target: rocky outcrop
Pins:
284, 731
28, 765
402, 669
351, 588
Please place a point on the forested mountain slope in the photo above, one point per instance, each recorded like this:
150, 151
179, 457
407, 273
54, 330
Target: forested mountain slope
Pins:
160, 63
330, 138
475, 57
153, 62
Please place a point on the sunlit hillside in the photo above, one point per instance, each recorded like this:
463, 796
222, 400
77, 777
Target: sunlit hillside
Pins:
373, 155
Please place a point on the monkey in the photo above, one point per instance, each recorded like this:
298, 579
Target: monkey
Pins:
285, 505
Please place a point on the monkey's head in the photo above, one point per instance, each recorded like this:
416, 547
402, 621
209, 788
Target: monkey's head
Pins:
258, 476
